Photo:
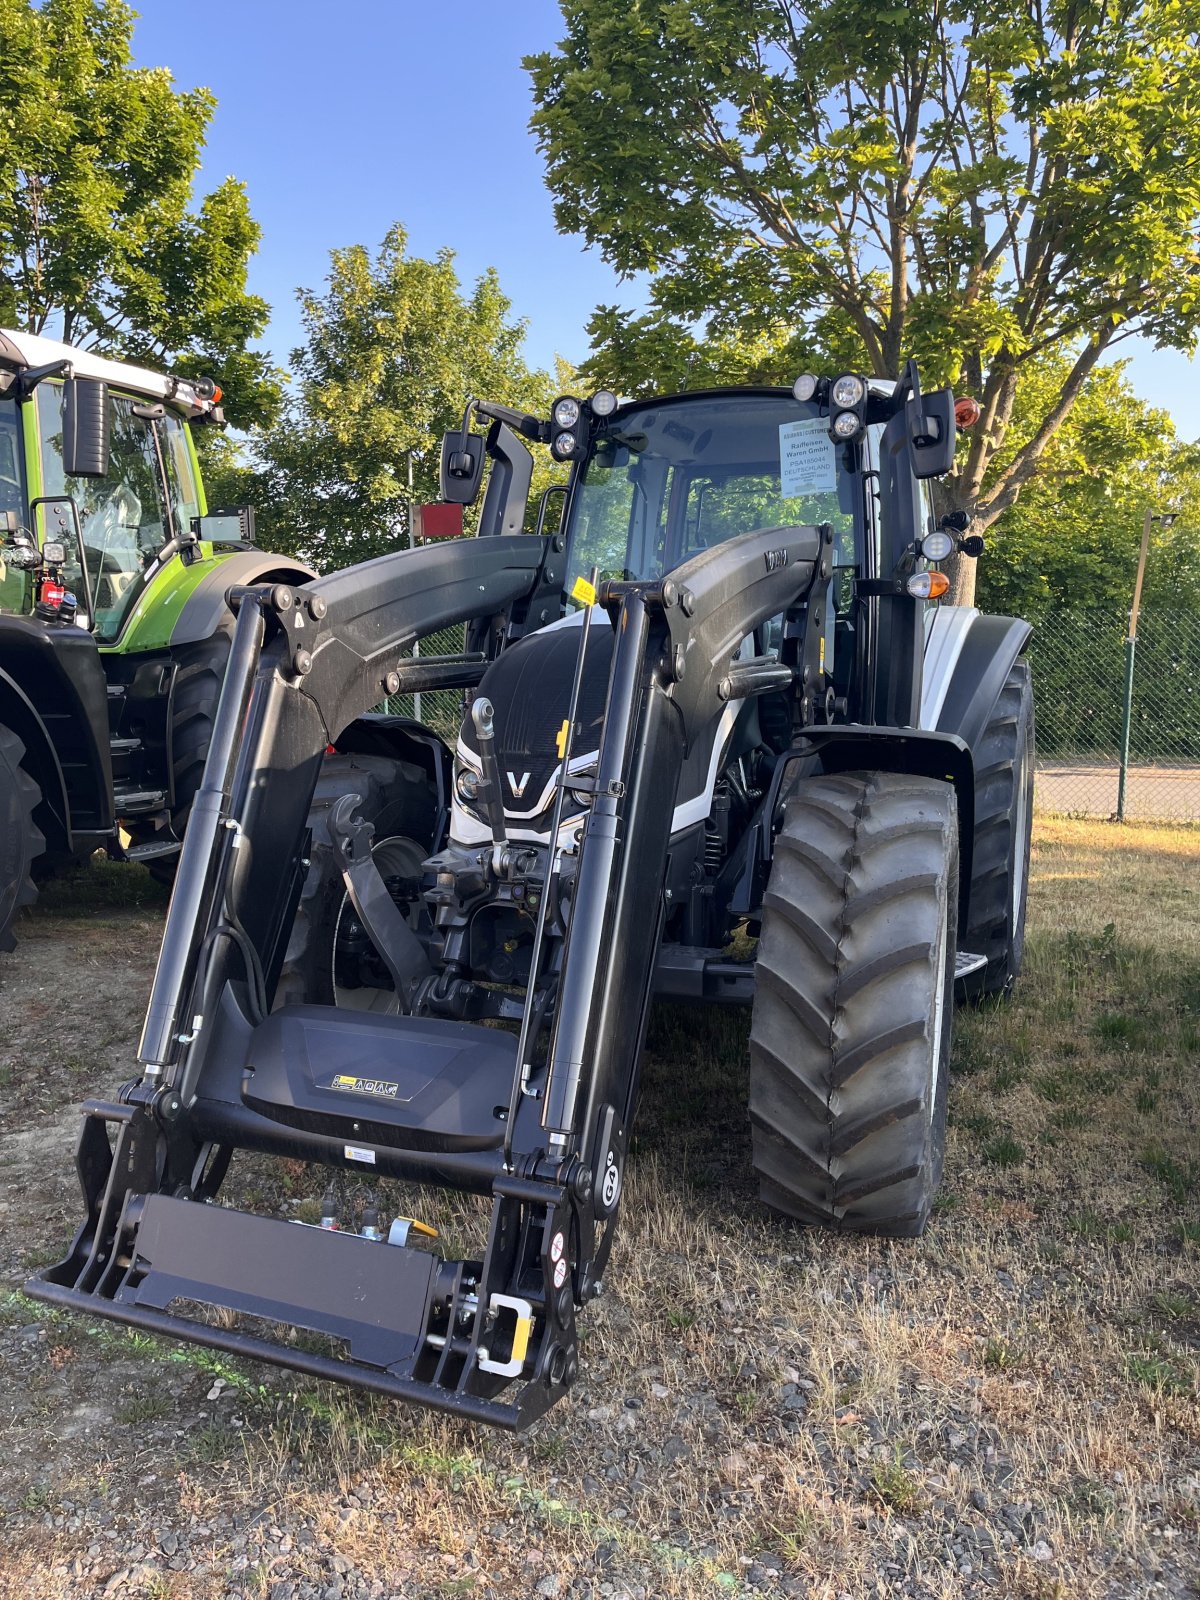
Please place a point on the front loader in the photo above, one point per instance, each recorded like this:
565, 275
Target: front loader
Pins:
718, 699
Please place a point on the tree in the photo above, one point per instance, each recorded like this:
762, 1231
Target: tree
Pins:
99, 241
1070, 543
983, 187
392, 351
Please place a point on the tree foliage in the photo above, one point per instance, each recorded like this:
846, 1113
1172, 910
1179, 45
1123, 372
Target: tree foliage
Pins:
1071, 541
982, 187
100, 243
392, 350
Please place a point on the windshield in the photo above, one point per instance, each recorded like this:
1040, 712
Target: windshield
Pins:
128, 515
667, 480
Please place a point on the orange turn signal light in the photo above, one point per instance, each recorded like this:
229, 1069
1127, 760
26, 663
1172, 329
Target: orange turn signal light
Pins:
928, 585
967, 412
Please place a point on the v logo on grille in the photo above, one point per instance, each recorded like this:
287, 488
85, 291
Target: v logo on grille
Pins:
517, 785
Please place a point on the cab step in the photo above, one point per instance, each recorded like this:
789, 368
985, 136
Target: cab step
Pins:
965, 963
154, 850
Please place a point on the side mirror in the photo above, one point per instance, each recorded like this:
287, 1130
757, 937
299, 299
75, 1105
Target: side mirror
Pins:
87, 428
933, 433
226, 525
440, 519
462, 467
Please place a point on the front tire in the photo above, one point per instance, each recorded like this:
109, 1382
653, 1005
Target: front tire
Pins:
21, 841
850, 1033
327, 963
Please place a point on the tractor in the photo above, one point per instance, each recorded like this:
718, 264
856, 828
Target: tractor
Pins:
720, 741
114, 630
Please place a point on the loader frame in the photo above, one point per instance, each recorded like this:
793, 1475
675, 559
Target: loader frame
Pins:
492, 1339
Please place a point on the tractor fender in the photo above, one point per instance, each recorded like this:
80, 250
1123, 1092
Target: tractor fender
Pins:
969, 672
55, 673
863, 747
205, 609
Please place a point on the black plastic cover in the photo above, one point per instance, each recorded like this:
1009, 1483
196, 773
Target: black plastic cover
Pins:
406, 1082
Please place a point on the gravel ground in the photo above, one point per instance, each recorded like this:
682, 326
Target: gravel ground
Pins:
1007, 1407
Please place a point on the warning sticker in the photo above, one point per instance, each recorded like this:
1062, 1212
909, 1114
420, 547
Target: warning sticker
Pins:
585, 592
379, 1086
354, 1153
807, 459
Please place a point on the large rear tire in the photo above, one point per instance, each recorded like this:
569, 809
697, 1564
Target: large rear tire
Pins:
850, 1035
1004, 765
329, 961
21, 841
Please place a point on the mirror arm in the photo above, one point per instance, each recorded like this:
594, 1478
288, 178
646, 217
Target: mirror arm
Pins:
28, 380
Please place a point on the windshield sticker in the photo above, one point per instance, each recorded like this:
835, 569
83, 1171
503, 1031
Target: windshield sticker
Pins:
807, 463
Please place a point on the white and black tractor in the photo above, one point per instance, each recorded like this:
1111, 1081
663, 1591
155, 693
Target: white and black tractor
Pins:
719, 741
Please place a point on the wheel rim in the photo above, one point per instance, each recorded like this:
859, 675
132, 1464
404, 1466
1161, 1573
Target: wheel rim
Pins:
938, 1020
395, 858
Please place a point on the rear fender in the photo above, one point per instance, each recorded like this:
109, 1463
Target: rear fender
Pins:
972, 676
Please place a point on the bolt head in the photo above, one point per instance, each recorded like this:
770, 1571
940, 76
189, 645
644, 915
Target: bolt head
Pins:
302, 663
392, 682
317, 607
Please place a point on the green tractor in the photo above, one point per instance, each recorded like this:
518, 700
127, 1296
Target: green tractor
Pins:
114, 631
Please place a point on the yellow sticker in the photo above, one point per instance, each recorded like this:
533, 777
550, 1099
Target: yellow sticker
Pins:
560, 741
584, 592
822, 652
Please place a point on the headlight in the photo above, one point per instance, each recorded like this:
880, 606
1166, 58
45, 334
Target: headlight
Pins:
936, 546
466, 784
805, 387
564, 444
603, 404
566, 413
846, 424
849, 390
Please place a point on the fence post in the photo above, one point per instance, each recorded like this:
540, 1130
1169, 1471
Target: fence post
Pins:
1130, 654
1126, 719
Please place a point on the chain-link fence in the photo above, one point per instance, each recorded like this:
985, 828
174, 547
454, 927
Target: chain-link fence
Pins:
442, 708
1118, 731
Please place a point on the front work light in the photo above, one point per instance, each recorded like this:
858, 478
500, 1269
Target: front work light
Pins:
936, 546
805, 387
569, 429
53, 553
928, 585
603, 403
846, 425
848, 392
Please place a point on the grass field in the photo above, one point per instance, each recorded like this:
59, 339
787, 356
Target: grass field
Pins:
1009, 1406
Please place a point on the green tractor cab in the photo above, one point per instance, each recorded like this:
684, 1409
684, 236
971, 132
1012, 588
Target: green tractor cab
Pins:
114, 631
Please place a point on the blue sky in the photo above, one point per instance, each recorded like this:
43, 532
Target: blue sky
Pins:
344, 119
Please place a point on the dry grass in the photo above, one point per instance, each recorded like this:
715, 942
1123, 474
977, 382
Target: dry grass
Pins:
1008, 1406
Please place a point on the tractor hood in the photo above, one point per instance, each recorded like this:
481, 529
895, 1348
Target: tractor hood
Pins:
530, 690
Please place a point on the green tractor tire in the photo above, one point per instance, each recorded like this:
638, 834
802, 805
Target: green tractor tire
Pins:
21, 841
